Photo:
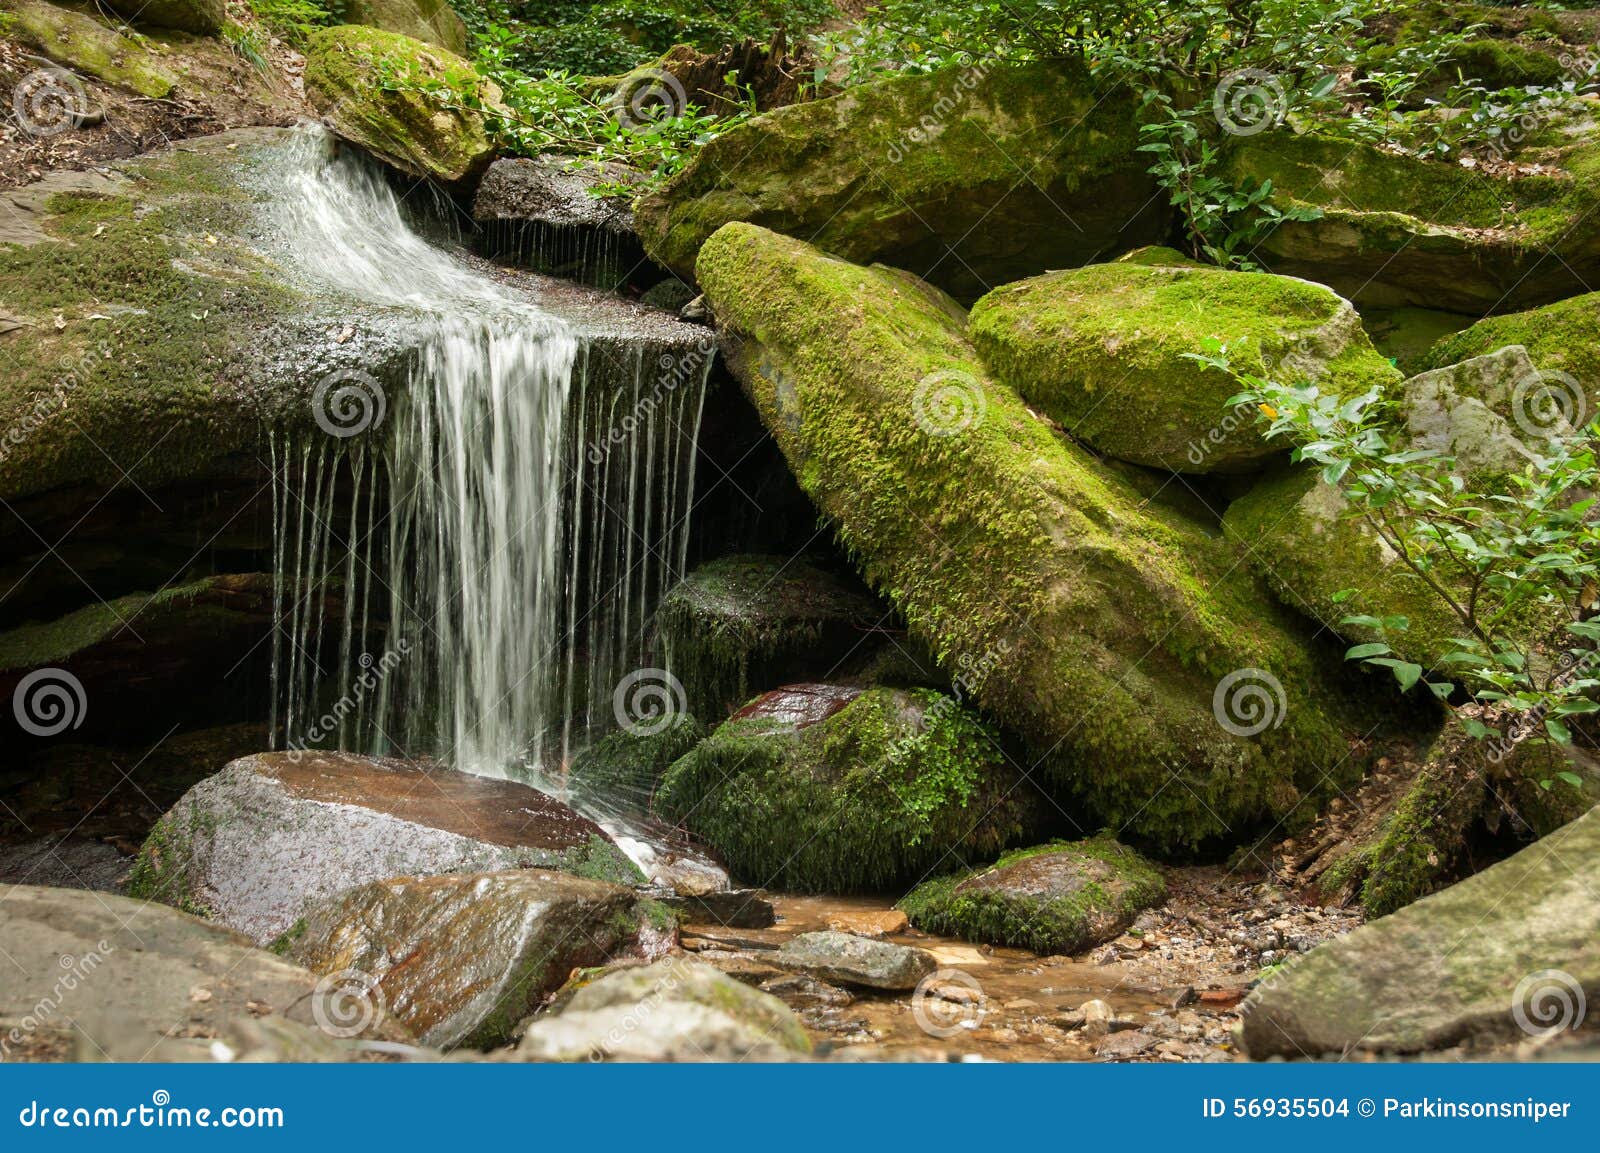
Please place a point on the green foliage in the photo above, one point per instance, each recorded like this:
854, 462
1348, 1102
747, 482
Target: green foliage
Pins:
293, 20
1488, 549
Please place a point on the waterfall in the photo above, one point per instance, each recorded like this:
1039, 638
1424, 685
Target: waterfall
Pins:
470, 576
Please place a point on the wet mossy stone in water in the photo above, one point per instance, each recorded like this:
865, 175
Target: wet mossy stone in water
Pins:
1107, 351
1093, 624
1562, 340
921, 172
1063, 897
357, 79
824, 788
743, 624
623, 768
1396, 230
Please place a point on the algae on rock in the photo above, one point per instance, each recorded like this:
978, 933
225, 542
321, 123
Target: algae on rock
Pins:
1106, 626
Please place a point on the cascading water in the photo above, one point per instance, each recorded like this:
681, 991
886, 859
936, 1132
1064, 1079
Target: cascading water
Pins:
502, 536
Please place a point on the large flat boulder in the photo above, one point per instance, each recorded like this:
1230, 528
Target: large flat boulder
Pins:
1119, 638
97, 977
1106, 351
460, 959
1396, 230
856, 960
257, 845
1511, 952
830, 788
921, 172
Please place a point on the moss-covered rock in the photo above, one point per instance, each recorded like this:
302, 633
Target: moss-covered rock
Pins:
622, 768
1105, 350
431, 21
1095, 625
1396, 230
365, 84
1560, 338
1056, 898
77, 39
921, 172
797, 792
204, 17
741, 625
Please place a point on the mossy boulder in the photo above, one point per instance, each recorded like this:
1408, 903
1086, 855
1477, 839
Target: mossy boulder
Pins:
1097, 626
203, 17
1562, 340
1472, 963
622, 769
741, 625
1396, 230
824, 789
431, 21
922, 172
365, 84
76, 38
1106, 351
1063, 897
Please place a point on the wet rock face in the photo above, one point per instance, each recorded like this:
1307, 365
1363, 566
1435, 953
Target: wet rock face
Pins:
258, 844
1506, 954
676, 1009
916, 172
853, 960
461, 958
147, 983
742, 624
1061, 898
550, 190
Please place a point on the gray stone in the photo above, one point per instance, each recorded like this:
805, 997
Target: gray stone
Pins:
1469, 411
1507, 953
854, 960
677, 1009
555, 191
96, 977
258, 844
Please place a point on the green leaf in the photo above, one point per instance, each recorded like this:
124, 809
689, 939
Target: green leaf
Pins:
1361, 652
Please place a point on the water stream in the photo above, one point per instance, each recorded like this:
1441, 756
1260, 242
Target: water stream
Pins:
470, 578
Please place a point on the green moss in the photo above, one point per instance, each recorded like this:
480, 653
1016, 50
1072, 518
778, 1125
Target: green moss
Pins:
91, 46
1104, 623
1422, 844
161, 870
1095, 889
284, 944
1105, 350
1562, 337
598, 859
623, 767
875, 795
375, 88
892, 170
744, 624
56, 642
